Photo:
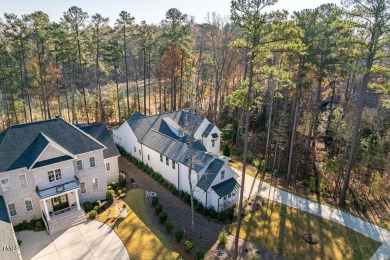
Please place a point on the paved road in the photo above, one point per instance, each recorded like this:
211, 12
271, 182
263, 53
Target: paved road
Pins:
255, 187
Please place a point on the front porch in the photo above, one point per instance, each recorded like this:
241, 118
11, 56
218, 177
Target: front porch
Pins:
60, 206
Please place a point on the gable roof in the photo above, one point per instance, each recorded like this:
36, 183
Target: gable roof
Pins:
226, 187
100, 132
210, 174
208, 130
21, 145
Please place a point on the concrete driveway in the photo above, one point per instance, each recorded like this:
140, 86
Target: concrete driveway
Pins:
89, 240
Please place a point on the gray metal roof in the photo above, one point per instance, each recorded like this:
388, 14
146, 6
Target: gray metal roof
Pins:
52, 161
100, 133
208, 130
20, 145
226, 187
210, 174
59, 189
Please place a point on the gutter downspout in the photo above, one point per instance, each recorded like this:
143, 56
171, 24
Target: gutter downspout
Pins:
218, 203
206, 198
178, 176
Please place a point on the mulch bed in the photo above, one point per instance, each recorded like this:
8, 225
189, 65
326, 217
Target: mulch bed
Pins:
206, 231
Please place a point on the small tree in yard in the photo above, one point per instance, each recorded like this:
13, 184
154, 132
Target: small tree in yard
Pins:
122, 179
226, 150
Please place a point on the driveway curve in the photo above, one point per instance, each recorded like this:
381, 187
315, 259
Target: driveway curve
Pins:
88, 240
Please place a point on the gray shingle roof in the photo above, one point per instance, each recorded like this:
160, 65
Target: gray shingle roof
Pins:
226, 187
210, 174
52, 161
208, 130
7, 237
100, 133
20, 145
3, 211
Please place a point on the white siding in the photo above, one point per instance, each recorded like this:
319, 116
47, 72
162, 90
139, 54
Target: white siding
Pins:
112, 175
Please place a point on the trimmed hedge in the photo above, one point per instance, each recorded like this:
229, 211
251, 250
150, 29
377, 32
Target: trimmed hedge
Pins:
189, 246
92, 214
179, 234
87, 206
162, 217
158, 208
154, 201
169, 226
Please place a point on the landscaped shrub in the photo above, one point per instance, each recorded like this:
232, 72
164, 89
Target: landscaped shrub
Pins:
132, 180
187, 198
169, 226
122, 195
96, 208
92, 214
222, 216
154, 201
179, 235
212, 213
38, 225
226, 150
118, 192
109, 197
121, 180
158, 208
98, 203
189, 246
181, 193
113, 185
109, 187
222, 237
199, 207
175, 191
199, 255
162, 217
87, 206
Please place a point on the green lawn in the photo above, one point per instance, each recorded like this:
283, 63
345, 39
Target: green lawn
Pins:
281, 229
141, 237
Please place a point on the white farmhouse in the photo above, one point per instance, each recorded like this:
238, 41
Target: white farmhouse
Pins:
48, 168
161, 141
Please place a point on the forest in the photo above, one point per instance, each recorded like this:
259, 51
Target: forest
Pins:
302, 99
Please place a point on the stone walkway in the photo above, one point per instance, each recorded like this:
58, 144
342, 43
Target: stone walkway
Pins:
255, 187
91, 240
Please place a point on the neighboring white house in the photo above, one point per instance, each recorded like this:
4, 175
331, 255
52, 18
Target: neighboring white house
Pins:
161, 141
48, 168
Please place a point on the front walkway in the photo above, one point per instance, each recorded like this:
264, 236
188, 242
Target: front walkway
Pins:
255, 187
89, 240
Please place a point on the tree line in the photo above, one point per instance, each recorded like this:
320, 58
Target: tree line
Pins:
306, 92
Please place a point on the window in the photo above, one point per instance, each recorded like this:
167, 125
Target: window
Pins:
29, 205
12, 209
54, 175
5, 185
233, 193
79, 165
139, 151
95, 183
161, 158
224, 198
22, 180
173, 165
148, 157
83, 189
92, 162
135, 149
229, 195
222, 175
212, 143
108, 167
167, 161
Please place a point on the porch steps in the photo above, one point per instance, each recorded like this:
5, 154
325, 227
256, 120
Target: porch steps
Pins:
69, 220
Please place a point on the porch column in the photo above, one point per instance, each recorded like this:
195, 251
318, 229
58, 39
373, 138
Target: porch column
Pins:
46, 210
77, 199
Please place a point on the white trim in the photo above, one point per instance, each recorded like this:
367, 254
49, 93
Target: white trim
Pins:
77, 168
85, 186
9, 211
55, 176
97, 182
2, 187
36, 159
54, 196
94, 161
25, 178
32, 205
105, 166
